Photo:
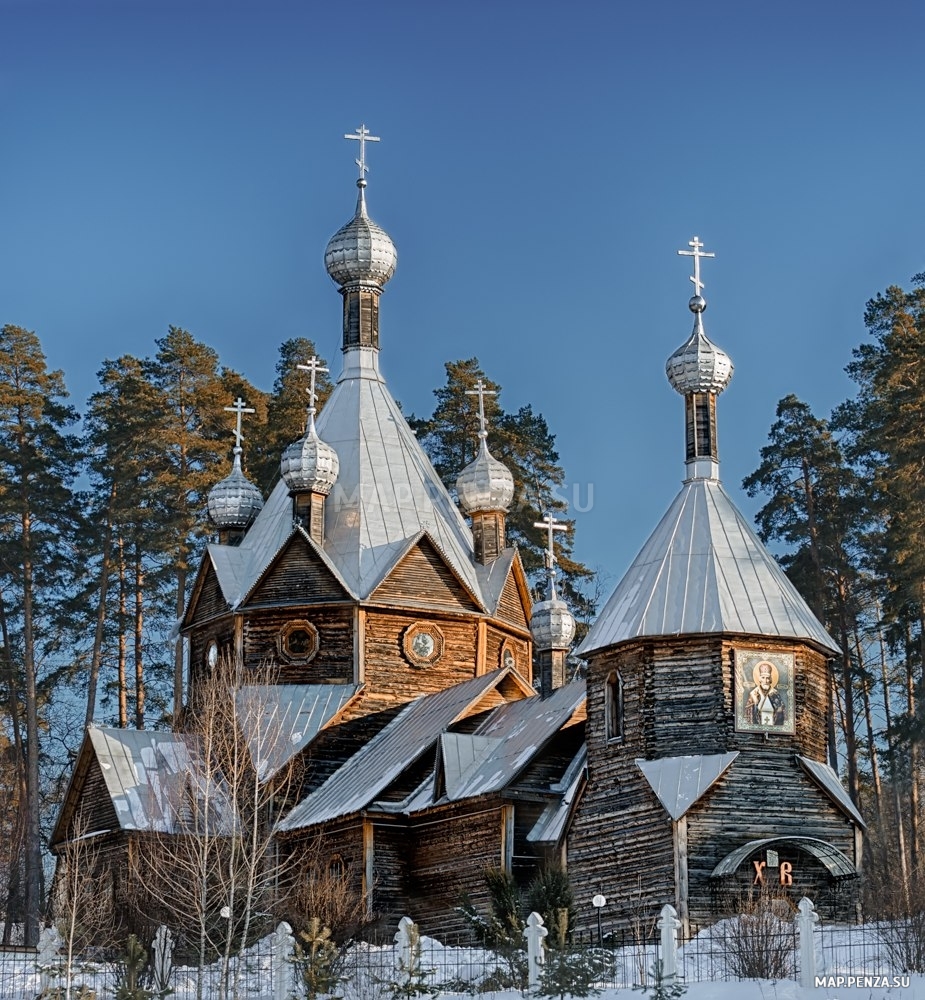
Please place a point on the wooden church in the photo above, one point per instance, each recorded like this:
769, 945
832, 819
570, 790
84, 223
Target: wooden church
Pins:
426, 701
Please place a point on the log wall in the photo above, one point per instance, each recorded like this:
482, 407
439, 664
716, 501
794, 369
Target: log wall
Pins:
333, 663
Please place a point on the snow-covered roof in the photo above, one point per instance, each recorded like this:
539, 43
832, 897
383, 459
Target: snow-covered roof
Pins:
280, 720
414, 731
679, 782
154, 780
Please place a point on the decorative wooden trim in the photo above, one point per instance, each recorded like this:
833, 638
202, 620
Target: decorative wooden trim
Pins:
369, 858
422, 643
290, 655
481, 646
359, 646
679, 836
239, 639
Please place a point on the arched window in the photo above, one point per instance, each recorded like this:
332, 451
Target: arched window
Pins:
337, 870
613, 707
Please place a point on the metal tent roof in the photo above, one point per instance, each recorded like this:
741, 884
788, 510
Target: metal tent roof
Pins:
704, 570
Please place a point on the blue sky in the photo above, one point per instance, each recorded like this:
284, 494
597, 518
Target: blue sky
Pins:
540, 165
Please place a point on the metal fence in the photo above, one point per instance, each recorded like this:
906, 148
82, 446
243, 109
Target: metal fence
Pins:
758, 946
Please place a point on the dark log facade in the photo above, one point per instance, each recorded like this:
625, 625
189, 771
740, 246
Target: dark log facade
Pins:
679, 699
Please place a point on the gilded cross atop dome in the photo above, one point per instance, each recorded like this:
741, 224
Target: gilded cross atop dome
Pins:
481, 390
313, 366
362, 136
240, 408
696, 253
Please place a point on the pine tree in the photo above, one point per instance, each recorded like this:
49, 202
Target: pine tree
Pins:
886, 419
523, 441
189, 452
39, 458
816, 508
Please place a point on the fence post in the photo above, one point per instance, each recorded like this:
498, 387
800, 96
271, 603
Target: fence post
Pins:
407, 943
669, 925
46, 956
162, 963
283, 950
805, 918
534, 932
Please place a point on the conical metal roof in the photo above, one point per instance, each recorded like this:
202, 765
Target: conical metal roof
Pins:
704, 570
387, 491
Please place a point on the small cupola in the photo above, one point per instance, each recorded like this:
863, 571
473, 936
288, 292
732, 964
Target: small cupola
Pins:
309, 466
485, 489
552, 625
234, 502
699, 371
361, 258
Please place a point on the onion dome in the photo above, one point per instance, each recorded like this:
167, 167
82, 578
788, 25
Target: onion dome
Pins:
234, 502
361, 251
485, 483
551, 624
699, 365
309, 463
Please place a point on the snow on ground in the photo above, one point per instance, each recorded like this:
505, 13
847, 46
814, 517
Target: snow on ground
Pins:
854, 957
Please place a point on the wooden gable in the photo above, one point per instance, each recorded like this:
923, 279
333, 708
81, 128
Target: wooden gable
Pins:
422, 578
514, 604
207, 600
87, 803
297, 576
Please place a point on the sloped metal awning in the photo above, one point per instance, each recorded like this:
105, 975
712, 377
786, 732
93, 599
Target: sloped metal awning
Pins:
837, 864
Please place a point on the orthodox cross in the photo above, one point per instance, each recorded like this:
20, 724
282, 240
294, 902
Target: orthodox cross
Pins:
481, 391
696, 253
240, 409
551, 525
312, 366
362, 136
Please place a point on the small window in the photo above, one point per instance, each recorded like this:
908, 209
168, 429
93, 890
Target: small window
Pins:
337, 870
298, 642
613, 707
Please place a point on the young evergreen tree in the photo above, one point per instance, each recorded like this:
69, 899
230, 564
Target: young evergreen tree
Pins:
523, 441
39, 459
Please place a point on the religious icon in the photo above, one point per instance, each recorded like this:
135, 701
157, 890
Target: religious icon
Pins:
764, 691
423, 645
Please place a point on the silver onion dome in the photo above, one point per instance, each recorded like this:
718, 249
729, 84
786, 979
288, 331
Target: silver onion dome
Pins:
699, 365
485, 484
360, 251
552, 625
235, 501
310, 463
